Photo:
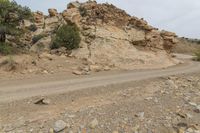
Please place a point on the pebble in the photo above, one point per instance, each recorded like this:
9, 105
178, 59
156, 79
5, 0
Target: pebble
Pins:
193, 104
149, 98
43, 101
47, 101
156, 100
181, 130
189, 116
190, 130
8, 128
135, 129
94, 124
172, 84
51, 130
140, 115
31, 130
59, 126
198, 107
45, 72
76, 72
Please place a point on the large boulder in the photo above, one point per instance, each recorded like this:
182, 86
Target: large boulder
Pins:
27, 23
39, 19
154, 40
52, 12
75, 4
72, 15
170, 39
51, 24
167, 33
42, 45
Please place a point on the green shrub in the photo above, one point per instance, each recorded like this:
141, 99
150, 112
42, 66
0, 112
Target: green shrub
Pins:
5, 49
11, 15
197, 54
67, 36
36, 38
32, 27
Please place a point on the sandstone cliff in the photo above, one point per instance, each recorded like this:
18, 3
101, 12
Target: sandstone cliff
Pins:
110, 37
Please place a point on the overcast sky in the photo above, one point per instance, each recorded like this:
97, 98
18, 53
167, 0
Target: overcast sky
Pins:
180, 16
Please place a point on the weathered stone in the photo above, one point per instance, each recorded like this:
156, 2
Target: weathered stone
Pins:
181, 130
39, 19
46, 56
59, 126
154, 40
107, 68
140, 115
94, 124
77, 72
75, 4
51, 130
72, 15
135, 129
95, 68
51, 24
27, 23
167, 33
42, 45
38, 32
110, 37
43, 101
52, 12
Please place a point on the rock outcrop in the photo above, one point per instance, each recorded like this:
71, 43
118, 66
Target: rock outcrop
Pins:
52, 12
115, 39
39, 19
110, 37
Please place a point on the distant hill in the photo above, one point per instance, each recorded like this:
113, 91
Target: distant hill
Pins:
187, 46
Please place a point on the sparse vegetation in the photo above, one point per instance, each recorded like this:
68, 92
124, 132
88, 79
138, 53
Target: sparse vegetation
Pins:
82, 11
186, 46
67, 36
32, 28
197, 54
11, 14
36, 38
5, 48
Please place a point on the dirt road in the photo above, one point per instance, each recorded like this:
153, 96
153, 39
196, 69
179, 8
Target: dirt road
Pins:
20, 89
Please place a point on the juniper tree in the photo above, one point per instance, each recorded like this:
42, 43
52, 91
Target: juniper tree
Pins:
11, 15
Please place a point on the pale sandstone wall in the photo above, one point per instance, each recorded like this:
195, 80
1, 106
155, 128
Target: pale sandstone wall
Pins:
110, 37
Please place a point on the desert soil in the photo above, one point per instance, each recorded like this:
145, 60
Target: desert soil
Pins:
155, 103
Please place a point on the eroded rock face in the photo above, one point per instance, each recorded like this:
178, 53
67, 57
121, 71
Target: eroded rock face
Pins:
75, 4
115, 39
52, 12
72, 15
51, 24
39, 19
110, 37
169, 40
154, 40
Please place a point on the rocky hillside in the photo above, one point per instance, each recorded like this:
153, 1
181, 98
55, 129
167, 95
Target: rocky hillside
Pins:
109, 37
187, 46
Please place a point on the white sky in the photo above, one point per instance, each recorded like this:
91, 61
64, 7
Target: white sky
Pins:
180, 16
